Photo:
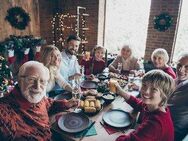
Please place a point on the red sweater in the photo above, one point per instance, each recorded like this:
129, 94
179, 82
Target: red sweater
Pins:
98, 66
170, 71
21, 120
155, 126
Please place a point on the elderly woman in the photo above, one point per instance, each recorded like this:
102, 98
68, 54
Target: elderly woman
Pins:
51, 58
160, 59
126, 59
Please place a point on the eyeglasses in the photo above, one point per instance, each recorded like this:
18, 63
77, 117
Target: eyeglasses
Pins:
32, 80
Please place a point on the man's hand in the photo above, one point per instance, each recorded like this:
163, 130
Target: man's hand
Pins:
75, 76
72, 103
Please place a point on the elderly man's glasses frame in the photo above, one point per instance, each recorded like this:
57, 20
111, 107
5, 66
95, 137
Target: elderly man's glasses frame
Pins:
33, 80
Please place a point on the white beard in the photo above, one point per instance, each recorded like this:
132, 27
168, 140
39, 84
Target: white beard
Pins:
34, 98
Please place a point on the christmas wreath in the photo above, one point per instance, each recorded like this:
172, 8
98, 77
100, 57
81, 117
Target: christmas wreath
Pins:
162, 22
17, 17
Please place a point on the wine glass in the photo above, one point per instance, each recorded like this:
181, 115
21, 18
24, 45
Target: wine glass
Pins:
76, 93
119, 68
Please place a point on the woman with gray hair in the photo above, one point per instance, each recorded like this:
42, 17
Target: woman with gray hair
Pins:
51, 58
160, 59
128, 61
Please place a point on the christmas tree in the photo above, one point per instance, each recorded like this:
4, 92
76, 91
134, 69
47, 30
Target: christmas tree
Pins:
6, 81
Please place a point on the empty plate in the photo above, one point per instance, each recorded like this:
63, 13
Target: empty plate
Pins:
73, 122
87, 84
66, 95
117, 118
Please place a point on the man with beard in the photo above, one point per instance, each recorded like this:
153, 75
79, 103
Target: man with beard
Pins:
178, 102
70, 68
24, 112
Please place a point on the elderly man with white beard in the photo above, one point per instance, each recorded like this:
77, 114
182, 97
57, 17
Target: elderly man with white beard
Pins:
24, 112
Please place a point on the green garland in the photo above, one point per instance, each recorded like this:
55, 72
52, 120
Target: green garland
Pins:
162, 22
17, 17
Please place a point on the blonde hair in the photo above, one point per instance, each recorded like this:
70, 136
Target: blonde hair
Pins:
47, 54
46, 59
162, 81
160, 52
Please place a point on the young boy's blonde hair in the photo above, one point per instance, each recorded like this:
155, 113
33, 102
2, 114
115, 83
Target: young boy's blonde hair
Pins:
161, 80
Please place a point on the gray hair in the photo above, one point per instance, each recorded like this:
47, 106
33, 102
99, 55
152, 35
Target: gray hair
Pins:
162, 81
126, 46
30, 64
160, 52
184, 55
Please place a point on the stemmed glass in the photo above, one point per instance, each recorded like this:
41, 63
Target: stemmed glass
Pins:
119, 68
76, 92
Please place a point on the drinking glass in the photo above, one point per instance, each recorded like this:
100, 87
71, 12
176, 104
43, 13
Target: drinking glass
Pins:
112, 85
131, 77
120, 66
76, 94
87, 55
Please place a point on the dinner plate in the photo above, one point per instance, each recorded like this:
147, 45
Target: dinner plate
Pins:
117, 118
73, 122
88, 84
66, 95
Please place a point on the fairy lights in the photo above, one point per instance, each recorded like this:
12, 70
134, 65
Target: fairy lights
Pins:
66, 24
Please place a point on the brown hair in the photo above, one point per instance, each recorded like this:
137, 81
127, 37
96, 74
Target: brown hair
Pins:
97, 47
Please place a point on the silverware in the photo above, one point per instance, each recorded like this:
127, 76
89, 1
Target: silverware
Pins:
86, 130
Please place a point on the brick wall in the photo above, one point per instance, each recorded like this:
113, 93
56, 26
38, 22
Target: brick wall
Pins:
46, 14
70, 6
156, 39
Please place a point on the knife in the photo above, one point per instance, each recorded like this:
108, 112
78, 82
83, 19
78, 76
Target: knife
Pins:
87, 129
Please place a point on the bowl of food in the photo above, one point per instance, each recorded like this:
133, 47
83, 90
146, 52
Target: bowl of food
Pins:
108, 98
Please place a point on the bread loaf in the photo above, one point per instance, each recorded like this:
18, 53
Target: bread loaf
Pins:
97, 104
91, 104
86, 103
90, 109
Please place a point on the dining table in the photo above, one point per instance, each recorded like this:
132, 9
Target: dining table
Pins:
101, 133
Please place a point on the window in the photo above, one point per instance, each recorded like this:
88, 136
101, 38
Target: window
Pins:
126, 23
181, 45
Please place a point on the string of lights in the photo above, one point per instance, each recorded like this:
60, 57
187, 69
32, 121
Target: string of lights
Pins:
63, 24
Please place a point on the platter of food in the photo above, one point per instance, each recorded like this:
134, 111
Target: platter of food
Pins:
118, 76
90, 105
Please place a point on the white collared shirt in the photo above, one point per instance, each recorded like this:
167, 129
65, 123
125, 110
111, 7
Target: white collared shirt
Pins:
69, 66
